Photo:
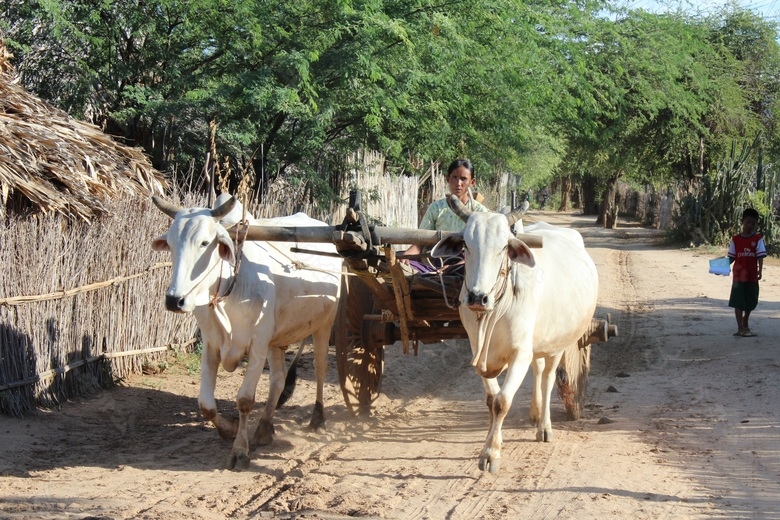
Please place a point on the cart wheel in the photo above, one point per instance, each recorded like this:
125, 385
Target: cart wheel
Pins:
572, 379
360, 361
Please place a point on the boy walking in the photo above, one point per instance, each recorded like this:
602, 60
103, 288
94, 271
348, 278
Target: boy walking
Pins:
746, 252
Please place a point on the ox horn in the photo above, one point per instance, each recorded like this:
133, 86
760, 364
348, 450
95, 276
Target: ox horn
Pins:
517, 214
459, 208
166, 207
224, 209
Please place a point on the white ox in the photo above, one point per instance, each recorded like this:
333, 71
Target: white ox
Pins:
520, 308
271, 303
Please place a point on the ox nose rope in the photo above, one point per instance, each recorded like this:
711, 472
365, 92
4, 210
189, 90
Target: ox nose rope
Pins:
440, 272
238, 248
203, 279
498, 289
444, 291
503, 280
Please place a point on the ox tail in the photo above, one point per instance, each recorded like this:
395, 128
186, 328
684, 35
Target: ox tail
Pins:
564, 388
291, 380
571, 378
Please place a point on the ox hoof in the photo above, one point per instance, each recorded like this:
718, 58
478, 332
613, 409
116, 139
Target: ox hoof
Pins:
238, 462
317, 417
227, 429
264, 434
226, 434
544, 436
489, 464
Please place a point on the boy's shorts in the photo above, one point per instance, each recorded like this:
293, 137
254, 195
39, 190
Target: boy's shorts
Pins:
744, 296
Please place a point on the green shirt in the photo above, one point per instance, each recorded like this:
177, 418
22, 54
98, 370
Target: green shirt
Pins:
439, 216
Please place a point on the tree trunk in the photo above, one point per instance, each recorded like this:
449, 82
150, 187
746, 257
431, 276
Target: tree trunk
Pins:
609, 207
565, 193
588, 196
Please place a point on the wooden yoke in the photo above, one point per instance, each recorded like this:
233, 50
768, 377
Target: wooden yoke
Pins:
379, 235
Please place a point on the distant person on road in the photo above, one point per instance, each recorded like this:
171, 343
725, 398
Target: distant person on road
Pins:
439, 216
746, 253
544, 196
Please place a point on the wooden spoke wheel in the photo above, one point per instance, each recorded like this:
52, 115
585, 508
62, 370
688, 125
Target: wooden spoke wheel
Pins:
572, 379
359, 353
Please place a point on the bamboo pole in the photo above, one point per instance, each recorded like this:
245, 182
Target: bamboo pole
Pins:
49, 374
20, 300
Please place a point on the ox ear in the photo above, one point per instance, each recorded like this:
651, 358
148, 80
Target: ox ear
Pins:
225, 244
451, 245
519, 252
161, 243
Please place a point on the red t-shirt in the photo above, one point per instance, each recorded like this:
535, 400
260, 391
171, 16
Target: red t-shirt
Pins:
746, 251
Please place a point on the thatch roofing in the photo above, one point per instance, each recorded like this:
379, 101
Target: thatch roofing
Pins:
55, 163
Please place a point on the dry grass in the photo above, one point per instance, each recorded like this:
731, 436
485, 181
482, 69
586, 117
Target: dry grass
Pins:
52, 163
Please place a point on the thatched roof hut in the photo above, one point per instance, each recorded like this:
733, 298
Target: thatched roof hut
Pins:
51, 162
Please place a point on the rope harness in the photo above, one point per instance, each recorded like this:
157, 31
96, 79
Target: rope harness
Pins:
238, 244
202, 279
444, 290
440, 272
502, 282
486, 326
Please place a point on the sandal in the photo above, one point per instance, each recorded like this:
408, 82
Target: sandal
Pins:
747, 333
738, 333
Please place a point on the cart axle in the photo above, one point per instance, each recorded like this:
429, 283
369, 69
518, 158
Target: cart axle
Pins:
600, 331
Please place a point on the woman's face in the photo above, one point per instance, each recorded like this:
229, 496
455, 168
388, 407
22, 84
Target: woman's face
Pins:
460, 180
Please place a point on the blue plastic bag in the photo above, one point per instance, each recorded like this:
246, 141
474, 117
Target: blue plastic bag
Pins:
720, 266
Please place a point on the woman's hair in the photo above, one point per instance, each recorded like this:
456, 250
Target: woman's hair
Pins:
457, 163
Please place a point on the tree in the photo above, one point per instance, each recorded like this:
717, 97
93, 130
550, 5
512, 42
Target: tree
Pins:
650, 88
291, 84
539, 88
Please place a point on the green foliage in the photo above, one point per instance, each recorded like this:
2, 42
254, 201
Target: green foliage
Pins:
292, 83
188, 359
645, 92
713, 214
537, 89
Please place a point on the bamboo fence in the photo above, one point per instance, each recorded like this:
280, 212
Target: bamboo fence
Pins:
388, 200
81, 304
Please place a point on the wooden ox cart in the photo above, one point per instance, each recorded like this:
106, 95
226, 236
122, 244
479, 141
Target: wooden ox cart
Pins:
383, 302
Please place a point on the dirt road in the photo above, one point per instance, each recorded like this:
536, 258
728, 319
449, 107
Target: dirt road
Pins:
682, 423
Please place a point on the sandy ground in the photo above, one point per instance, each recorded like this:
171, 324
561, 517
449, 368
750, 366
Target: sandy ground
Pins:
682, 422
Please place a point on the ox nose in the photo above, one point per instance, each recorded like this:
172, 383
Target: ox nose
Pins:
477, 299
174, 303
